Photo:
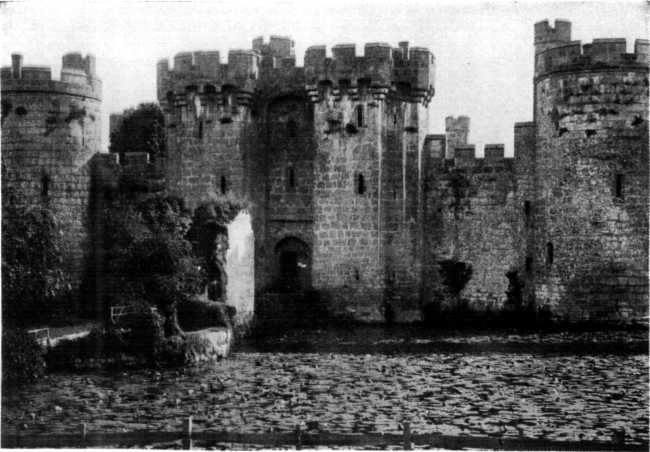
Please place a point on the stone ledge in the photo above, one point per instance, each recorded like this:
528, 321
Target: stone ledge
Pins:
208, 344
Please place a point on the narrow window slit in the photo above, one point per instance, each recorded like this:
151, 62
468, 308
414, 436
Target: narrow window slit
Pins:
223, 185
361, 184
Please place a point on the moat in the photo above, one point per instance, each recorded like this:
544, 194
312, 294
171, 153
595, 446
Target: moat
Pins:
556, 386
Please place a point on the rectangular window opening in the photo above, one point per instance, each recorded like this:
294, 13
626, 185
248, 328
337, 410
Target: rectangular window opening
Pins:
619, 186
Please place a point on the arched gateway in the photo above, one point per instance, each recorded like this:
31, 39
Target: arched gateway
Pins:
293, 258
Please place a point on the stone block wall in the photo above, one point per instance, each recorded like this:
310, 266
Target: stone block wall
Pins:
524, 204
209, 140
591, 205
402, 206
50, 131
472, 217
287, 177
347, 252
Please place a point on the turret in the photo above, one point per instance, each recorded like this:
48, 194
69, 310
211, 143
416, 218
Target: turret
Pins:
16, 65
457, 130
78, 77
547, 37
77, 69
555, 51
278, 52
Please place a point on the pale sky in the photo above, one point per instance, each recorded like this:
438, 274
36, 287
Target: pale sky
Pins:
483, 50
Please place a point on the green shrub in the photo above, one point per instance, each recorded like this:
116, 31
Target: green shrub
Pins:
22, 357
35, 283
432, 313
141, 332
141, 129
195, 314
171, 351
514, 298
137, 337
455, 275
67, 353
149, 258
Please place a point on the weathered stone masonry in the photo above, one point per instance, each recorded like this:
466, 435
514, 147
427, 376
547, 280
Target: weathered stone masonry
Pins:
50, 131
350, 198
590, 255
326, 154
351, 182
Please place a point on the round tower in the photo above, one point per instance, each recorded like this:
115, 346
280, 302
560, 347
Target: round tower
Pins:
591, 184
50, 131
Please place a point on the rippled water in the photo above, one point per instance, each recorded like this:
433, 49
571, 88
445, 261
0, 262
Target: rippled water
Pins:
537, 395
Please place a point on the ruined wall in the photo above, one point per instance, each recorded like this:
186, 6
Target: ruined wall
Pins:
590, 256
240, 268
50, 131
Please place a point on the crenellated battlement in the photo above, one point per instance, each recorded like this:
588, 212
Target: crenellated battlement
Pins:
78, 77
279, 51
599, 54
409, 72
203, 72
452, 151
493, 164
406, 71
547, 36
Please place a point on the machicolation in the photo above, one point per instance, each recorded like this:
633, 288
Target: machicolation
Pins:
354, 206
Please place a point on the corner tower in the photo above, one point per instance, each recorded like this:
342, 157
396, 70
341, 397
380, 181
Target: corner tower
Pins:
50, 131
590, 255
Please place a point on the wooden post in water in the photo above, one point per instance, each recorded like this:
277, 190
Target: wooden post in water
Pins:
84, 433
407, 436
298, 437
187, 441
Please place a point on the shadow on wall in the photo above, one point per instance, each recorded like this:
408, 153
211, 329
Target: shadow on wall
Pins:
606, 293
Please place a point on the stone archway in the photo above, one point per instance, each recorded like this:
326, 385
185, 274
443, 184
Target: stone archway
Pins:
293, 258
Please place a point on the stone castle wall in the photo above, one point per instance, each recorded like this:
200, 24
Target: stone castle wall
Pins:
288, 181
50, 131
340, 175
472, 216
303, 155
347, 252
590, 256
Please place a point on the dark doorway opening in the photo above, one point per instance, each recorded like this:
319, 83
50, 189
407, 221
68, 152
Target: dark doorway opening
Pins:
294, 264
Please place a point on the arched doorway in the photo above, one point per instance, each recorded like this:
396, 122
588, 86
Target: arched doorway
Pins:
293, 258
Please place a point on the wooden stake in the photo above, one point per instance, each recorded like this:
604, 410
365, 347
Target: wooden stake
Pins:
407, 436
84, 432
298, 437
188, 434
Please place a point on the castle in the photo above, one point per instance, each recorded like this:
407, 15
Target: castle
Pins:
351, 198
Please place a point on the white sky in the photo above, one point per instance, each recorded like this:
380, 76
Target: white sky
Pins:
484, 50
